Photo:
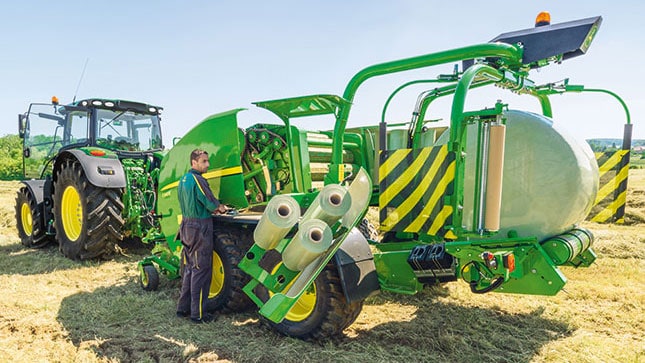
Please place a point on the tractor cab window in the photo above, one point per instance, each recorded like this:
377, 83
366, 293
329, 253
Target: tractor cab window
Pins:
77, 130
127, 131
49, 128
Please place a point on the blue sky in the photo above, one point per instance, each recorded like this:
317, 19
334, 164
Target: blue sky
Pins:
197, 58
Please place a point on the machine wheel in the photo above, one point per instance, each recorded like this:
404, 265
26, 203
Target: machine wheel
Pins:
87, 218
228, 280
321, 312
29, 220
149, 278
368, 230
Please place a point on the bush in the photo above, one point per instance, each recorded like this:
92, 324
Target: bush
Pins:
10, 157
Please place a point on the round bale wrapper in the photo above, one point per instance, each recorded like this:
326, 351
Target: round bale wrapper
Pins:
550, 178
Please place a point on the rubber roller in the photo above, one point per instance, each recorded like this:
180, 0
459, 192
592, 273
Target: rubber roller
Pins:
494, 177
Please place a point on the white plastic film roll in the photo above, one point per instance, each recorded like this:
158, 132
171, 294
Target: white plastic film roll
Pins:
494, 177
313, 238
280, 215
330, 204
361, 192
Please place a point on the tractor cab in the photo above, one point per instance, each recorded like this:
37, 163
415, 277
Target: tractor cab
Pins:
125, 127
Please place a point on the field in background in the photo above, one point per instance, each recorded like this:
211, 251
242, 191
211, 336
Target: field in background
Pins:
54, 309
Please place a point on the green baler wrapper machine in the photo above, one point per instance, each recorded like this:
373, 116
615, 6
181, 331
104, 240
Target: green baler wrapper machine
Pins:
447, 199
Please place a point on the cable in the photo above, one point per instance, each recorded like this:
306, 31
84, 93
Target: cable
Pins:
473, 283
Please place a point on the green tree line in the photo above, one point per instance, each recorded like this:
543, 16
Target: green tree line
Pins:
10, 157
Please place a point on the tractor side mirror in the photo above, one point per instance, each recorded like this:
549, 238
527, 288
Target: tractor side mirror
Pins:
22, 125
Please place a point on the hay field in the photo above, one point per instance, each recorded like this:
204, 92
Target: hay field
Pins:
56, 310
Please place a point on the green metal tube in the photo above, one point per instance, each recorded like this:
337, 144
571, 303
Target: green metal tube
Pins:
440, 92
323, 143
550, 89
629, 120
510, 53
296, 177
546, 105
461, 91
253, 173
411, 83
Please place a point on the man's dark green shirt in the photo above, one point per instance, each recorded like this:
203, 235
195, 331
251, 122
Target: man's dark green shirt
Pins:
195, 196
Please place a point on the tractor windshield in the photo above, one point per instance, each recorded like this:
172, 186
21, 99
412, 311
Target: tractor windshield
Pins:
49, 129
127, 130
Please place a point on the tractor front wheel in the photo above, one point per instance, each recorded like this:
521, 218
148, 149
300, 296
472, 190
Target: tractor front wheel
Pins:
149, 278
229, 246
87, 218
29, 220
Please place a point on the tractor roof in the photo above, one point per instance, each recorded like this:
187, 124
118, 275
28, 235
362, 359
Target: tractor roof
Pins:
119, 105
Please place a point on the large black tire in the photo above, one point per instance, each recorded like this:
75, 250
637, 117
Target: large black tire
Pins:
87, 218
327, 318
226, 294
29, 220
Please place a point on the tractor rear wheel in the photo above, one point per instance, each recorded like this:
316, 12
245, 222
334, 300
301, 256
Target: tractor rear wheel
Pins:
229, 246
87, 218
322, 311
29, 220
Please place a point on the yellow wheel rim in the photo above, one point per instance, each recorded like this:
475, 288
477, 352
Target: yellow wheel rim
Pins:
305, 305
144, 278
25, 217
217, 280
71, 212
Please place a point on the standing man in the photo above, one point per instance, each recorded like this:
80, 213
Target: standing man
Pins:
197, 204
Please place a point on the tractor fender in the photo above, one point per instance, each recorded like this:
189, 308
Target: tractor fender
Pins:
101, 172
355, 263
41, 189
36, 188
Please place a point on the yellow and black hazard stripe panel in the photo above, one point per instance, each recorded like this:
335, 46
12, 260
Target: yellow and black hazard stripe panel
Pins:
413, 184
609, 205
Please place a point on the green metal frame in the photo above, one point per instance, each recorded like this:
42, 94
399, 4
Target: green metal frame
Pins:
281, 301
507, 54
289, 108
508, 72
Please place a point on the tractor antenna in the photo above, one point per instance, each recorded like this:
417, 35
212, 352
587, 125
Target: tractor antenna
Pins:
80, 80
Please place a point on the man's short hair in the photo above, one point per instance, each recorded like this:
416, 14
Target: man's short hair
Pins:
196, 154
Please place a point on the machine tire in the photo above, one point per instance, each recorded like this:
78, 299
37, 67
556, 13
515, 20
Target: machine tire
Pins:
226, 294
29, 220
98, 224
149, 278
331, 313
368, 230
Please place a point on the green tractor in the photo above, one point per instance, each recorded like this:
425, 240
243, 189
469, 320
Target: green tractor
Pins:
494, 198
90, 171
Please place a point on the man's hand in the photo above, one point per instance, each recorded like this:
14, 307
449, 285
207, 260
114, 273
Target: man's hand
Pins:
221, 209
